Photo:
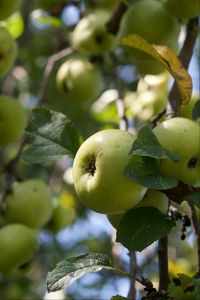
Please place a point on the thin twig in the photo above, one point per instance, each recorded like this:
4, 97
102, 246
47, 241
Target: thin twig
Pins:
163, 263
197, 234
185, 57
133, 271
48, 69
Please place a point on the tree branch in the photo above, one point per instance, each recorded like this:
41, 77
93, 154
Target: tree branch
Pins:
48, 69
115, 19
185, 57
163, 263
196, 226
133, 272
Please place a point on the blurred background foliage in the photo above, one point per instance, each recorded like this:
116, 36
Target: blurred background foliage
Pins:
43, 28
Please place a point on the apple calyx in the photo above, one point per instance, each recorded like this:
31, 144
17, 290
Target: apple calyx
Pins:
192, 163
90, 167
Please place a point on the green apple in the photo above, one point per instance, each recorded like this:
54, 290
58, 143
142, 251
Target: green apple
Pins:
29, 203
152, 198
91, 36
147, 104
186, 110
13, 120
98, 172
181, 136
183, 8
8, 51
61, 218
149, 19
79, 80
18, 246
8, 7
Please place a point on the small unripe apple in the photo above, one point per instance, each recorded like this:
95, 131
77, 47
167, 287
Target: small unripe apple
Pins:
8, 7
91, 35
29, 203
98, 172
13, 120
186, 110
180, 136
183, 8
8, 51
18, 246
149, 19
152, 198
79, 80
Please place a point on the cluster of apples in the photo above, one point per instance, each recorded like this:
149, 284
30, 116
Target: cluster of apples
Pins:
100, 162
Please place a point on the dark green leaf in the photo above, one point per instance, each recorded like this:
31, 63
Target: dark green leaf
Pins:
145, 171
72, 268
194, 198
141, 226
55, 137
118, 297
147, 144
196, 110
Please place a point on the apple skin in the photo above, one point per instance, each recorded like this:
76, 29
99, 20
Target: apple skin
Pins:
181, 136
183, 8
98, 172
29, 203
152, 198
18, 246
79, 80
8, 51
149, 19
186, 110
91, 36
8, 7
13, 120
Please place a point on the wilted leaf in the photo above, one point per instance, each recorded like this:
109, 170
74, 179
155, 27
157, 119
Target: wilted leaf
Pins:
55, 137
72, 268
168, 59
141, 226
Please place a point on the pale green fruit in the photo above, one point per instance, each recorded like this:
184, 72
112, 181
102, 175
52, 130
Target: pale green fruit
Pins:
18, 246
29, 203
149, 19
13, 120
8, 51
91, 36
147, 104
183, 8
61, 218
152, 198
98, 172
80, 80
182, 137
8, 7
186, 110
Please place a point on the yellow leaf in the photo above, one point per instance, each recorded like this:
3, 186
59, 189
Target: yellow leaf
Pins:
168, 59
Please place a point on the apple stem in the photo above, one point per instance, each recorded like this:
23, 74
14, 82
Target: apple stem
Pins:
185, 57
197, 234
48, 69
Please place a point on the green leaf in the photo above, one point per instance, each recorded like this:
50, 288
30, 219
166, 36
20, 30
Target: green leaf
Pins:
118, 297
15, 25
147, 144
194, 198
141, 226
145, 170
48, 20
196, 110
55, 137
72, 268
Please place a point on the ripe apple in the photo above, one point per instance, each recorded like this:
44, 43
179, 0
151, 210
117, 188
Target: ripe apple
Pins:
91, 36
18, 246
181, 136
13, 120
151, 198
98, 172
149, 19
80, 80
29, 203
8, 7
8, 50
183, 8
